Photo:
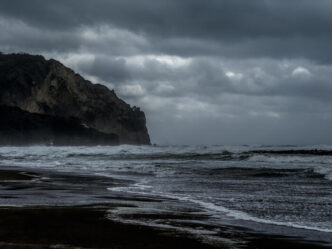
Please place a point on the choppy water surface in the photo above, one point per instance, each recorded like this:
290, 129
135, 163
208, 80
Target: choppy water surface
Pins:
283, 189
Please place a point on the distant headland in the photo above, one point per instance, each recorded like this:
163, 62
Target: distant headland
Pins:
42, 101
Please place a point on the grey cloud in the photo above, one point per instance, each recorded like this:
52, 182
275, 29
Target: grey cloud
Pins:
233, 28
208, 77
196, 18
108, 69
20, 37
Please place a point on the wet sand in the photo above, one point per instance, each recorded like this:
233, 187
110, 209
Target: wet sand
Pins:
89, 227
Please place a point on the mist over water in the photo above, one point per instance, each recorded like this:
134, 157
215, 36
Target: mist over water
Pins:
270, 188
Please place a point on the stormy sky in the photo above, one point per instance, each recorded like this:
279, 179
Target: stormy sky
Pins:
204, 72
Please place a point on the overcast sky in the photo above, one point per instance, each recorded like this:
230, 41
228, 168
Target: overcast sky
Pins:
204, 72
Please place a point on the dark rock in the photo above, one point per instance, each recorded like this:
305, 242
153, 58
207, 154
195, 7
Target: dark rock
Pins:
47, 87
18, 127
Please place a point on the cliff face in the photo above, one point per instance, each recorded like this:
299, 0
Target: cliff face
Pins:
47, 87
18, 127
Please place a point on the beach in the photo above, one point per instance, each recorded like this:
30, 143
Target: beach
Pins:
90, 226
165, 124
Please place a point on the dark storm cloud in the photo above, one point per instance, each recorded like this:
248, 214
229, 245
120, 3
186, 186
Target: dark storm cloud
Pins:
217, 71
108, 69
193, 18
235, 28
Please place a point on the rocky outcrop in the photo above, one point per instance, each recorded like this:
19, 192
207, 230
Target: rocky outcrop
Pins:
47, 87
18, 127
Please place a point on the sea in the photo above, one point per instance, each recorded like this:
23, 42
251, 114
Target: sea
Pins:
283, 190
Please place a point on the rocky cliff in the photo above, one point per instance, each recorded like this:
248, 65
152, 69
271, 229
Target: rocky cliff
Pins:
18, 127
47, 87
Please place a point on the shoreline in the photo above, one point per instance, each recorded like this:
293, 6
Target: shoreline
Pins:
89, 226
83, 227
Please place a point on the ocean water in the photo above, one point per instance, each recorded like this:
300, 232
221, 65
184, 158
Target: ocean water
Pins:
285, 190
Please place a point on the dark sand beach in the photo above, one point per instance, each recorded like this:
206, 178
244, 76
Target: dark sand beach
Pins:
89, 226
84, 227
